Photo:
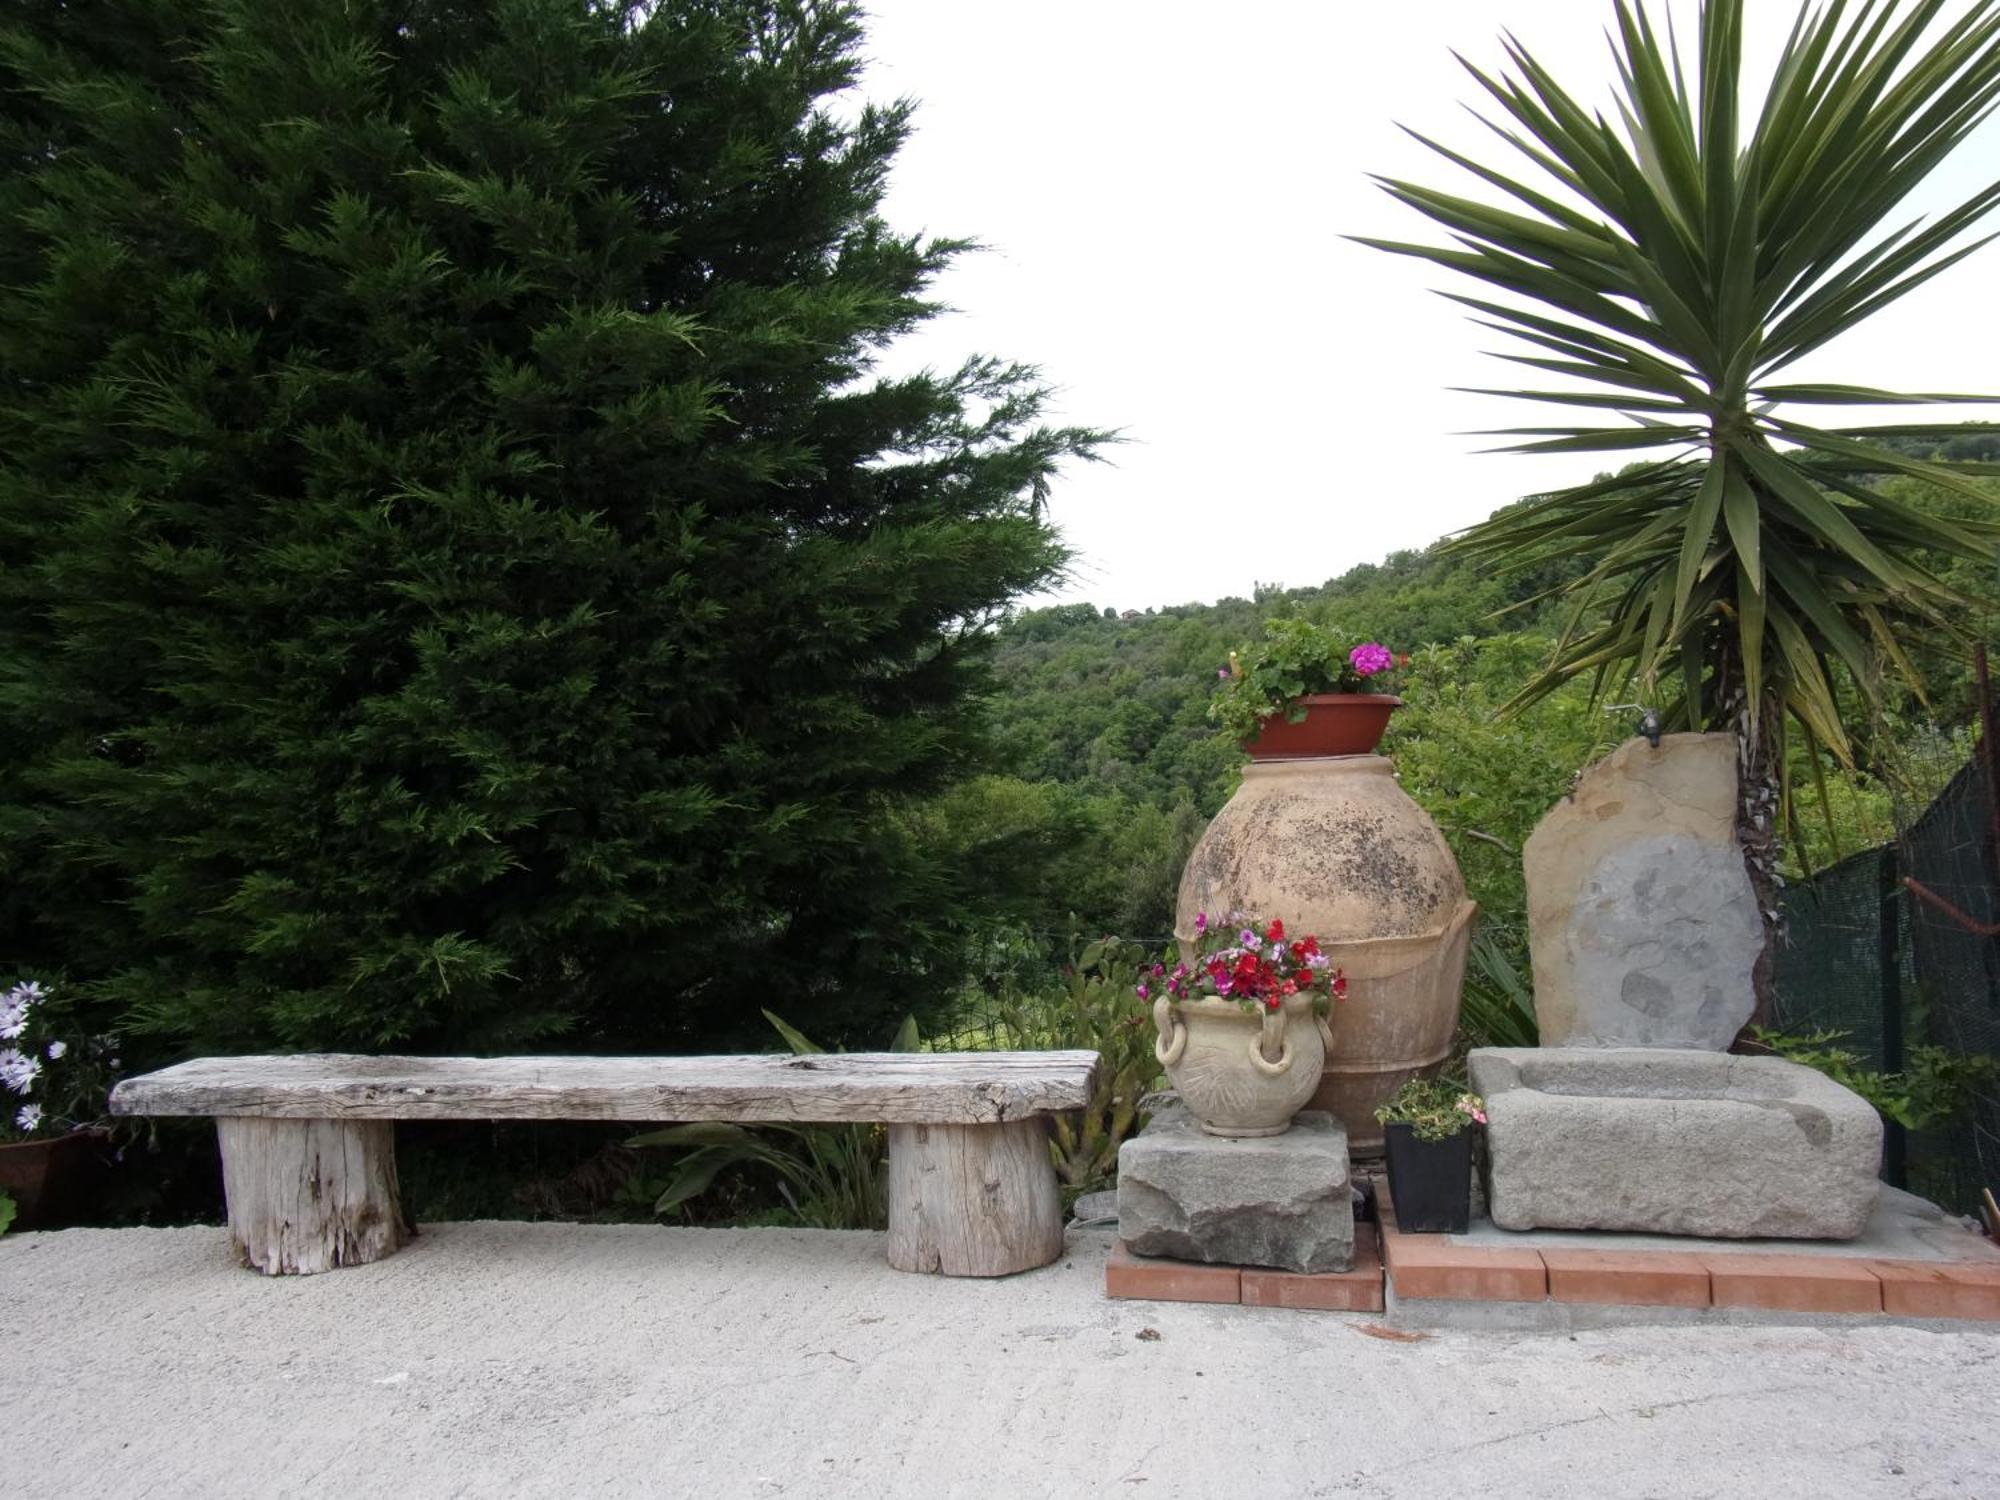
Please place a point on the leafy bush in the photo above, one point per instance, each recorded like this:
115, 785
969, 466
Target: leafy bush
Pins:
1933, 1089
1093, 1008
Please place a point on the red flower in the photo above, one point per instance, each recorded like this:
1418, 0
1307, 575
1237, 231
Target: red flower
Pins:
1271, 1003
1340, 984
1311, 946
1276, 931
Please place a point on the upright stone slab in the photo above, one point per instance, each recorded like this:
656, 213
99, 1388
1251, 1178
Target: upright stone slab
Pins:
1279, 1200
1641, 918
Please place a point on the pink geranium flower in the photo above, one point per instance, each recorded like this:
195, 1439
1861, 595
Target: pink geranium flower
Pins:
1370, 658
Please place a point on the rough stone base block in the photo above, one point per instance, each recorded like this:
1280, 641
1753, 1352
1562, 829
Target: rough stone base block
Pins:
1675, 1142
1279, 1200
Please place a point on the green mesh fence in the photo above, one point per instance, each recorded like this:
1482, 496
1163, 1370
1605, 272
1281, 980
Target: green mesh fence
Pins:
1896, 970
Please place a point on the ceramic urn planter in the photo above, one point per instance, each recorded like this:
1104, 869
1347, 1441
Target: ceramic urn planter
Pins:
1334, 846
1238, 1073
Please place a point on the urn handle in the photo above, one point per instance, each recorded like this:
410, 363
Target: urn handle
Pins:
1171, 1043
1272, 1031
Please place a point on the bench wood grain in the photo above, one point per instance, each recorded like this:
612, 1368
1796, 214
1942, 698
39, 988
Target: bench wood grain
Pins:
309, 1165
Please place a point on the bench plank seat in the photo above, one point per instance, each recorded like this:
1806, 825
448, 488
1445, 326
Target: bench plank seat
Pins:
900, 1088
308, 1148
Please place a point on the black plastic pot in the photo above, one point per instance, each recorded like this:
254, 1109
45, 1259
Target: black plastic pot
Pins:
1431, 1181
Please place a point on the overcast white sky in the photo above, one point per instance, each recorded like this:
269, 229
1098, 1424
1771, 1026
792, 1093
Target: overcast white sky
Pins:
1164, 186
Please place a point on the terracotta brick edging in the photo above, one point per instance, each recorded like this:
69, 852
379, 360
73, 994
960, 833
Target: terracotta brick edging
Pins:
1425, 1267
1152, 1279
1628, 1278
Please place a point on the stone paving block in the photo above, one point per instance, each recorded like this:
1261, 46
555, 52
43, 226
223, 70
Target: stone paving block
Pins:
1280, 1201
1627, 1278
1672, 1141
1794, 1283
1153, 1280
1358, 1290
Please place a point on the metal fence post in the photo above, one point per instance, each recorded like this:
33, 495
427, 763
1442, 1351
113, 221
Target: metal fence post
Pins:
1889, 962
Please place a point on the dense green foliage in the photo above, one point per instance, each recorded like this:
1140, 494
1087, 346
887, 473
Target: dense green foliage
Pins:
1118, 763
459, 584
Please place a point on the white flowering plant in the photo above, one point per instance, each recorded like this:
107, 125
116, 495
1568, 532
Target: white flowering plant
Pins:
53, 1078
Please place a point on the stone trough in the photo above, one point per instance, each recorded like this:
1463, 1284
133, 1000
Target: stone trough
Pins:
1670, 1141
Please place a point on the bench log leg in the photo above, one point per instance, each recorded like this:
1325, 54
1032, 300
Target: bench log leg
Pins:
973, 1200
310, 1195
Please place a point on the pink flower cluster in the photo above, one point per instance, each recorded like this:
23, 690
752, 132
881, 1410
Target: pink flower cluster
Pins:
1370, 658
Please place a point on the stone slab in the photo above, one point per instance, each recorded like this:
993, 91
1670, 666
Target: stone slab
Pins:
1641, 920
1280, 1201
1675, 1142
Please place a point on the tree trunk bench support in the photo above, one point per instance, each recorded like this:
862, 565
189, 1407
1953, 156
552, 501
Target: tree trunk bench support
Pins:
309, 1162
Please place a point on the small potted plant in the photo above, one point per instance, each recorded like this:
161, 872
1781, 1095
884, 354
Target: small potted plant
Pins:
53, 1085
1304, 691
1427, 1125
1242, 1023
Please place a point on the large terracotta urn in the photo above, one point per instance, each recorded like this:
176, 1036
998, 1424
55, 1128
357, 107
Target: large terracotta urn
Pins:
1336, 848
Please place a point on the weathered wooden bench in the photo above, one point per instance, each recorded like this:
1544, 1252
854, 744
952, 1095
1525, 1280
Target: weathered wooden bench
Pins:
309, 1156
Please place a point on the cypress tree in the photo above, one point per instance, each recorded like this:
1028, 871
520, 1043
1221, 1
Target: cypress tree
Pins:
461, 585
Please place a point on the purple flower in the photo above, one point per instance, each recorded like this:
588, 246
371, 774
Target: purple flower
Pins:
1222, 984
1201, 921
1141, 991
1247, 938
1371, 658
1223, 673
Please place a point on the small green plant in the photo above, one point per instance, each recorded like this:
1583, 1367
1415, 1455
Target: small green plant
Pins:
1933, 1089
1295, 657
1095, 1009
1435, 1109
832, 1176
7, 1210
1499, 1005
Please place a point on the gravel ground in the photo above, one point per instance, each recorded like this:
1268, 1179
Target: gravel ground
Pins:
565, 1360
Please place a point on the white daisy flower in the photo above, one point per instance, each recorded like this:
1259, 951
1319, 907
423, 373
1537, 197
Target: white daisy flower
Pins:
17, 1070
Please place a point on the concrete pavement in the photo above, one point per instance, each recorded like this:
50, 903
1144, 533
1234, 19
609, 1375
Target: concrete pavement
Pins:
571, 1360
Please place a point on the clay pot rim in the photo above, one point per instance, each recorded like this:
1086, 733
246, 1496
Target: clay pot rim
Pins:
1311, 698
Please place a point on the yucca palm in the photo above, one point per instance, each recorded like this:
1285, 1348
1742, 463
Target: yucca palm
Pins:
1672, 265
